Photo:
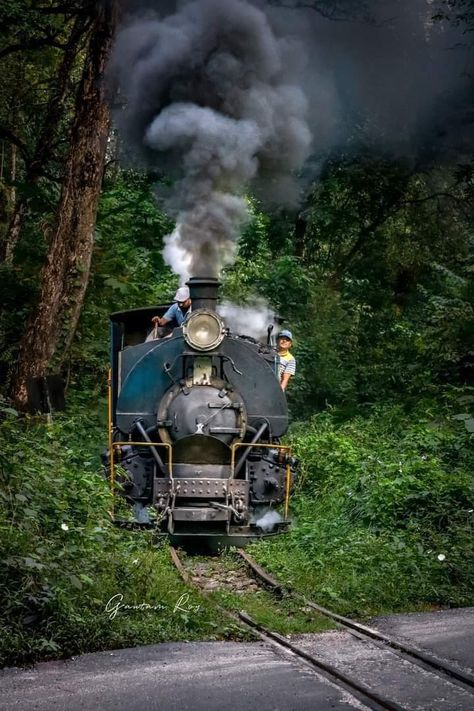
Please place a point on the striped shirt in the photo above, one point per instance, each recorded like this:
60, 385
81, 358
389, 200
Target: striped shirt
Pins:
286, 364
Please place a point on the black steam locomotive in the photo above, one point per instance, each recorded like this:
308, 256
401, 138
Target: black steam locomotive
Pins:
195, 425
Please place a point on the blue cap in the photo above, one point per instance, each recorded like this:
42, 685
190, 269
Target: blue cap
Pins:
285, 334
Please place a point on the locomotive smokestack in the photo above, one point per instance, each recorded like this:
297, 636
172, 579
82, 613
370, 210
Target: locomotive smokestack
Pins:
203, 292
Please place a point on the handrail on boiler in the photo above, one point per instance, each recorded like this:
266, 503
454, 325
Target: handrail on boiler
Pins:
113, 444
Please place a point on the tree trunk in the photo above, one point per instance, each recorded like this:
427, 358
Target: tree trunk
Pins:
64, 276
8, 193
74, 294
16, 208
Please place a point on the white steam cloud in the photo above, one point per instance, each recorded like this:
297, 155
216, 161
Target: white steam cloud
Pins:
268, 521
248, 320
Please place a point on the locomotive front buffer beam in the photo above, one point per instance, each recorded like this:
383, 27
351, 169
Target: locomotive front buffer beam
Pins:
201, 500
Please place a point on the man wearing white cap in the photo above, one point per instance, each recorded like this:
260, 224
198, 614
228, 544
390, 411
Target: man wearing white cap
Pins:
176, 313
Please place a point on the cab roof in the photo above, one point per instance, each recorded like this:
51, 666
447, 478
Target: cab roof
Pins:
132, 317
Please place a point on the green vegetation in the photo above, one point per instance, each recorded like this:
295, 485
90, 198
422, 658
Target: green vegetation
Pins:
382, 411
62, 562
284, 616
384, 509
228, 582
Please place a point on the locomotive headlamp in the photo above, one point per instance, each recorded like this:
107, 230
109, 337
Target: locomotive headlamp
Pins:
203, 330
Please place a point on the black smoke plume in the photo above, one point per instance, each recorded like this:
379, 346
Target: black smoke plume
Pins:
212, 96
223, 94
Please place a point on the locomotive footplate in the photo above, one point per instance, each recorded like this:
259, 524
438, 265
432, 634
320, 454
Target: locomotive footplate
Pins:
202, 501
239, 487
162, 487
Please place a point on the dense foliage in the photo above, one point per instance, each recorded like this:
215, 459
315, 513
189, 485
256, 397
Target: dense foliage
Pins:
384, 509
375, 278
62, 562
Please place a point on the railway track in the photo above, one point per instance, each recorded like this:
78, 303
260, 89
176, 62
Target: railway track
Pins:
417, 671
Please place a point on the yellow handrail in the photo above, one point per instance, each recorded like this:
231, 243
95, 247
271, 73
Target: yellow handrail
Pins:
110, 438
113, 444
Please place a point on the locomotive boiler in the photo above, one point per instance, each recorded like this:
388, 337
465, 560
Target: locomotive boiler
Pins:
195, 425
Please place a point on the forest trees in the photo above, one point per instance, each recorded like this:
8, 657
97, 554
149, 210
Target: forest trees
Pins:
39, 51
374, 276
65, 272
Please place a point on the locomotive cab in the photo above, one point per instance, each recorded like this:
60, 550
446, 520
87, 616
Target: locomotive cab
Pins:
195, 425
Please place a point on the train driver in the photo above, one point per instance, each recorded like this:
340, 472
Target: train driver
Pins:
287, 362
175, 315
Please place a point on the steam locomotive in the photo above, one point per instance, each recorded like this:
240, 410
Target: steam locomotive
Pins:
195, 422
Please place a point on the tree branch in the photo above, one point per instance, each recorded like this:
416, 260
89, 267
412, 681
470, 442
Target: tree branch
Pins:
10, 136
385, 211
434, 196
69, 8
330, 10
32, 44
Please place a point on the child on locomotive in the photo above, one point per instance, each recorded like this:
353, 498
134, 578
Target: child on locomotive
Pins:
287, 362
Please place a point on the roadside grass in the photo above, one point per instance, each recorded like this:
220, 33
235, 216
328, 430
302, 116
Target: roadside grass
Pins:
383, 513
383, 522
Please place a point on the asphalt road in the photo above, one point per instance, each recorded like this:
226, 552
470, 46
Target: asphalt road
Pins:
202, 676
212, 676
447, 633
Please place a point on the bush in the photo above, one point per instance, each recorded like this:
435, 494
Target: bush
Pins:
62, 560
383, 514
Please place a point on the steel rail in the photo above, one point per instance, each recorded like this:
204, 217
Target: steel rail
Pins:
363, 693
423, 659
376, 701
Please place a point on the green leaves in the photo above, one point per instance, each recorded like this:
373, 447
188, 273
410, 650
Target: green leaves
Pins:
383, 511
61, 558
467, 419
469, 424
116, 284
6, 410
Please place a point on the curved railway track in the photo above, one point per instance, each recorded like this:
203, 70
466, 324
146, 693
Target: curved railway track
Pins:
457, 683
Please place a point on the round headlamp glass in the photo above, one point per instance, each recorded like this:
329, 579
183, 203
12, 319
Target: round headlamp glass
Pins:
203, 330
